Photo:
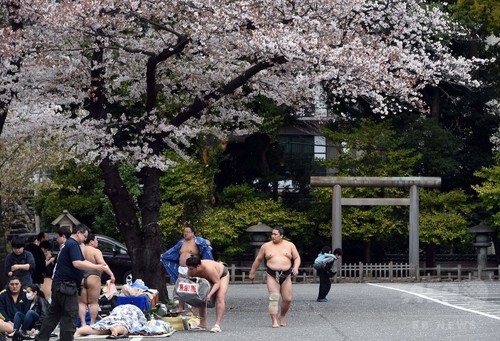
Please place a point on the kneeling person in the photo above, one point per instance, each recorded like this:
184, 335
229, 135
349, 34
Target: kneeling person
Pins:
218, 275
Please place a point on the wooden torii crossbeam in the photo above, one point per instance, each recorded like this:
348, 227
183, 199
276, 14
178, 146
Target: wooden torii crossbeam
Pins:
413, 183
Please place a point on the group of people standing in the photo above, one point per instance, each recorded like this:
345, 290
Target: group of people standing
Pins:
32, 263
75, 282
192, 257
76, 279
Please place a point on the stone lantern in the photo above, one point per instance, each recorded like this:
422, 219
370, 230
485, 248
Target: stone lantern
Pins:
483, 241
260, 234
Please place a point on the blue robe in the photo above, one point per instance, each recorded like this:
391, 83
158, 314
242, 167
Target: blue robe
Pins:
170, 258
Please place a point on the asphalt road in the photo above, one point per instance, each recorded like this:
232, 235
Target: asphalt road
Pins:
362, 311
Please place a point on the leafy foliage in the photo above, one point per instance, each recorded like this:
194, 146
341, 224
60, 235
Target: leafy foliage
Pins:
489, 191
371, 149
188, 187
483, 12
226, 227
443, 217
77, 189
438, 148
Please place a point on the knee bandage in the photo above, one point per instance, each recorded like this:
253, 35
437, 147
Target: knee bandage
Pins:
273, 302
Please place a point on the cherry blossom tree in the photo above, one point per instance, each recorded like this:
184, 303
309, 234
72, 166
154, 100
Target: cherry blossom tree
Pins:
126, 80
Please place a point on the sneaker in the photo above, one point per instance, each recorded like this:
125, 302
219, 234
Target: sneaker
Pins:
18, 336
322, 299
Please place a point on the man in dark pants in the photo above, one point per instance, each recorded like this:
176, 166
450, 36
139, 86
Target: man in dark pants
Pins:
325, 272
68, 274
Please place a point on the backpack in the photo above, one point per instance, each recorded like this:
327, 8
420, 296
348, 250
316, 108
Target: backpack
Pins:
319, 264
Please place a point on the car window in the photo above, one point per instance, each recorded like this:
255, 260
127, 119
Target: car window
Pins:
111, 248
106, 247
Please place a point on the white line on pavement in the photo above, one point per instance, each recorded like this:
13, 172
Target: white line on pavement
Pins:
437, 301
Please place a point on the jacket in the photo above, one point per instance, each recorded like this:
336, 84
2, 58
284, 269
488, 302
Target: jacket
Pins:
41, 306
170, 258
323, 259
25, 257
9, 308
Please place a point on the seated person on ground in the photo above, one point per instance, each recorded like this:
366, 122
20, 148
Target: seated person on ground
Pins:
122, 320
24, 322
12, 300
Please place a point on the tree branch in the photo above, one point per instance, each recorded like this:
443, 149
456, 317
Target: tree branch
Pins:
200, 104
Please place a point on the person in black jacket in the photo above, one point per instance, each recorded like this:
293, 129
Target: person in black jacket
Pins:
23, 323
38, 255
12, 300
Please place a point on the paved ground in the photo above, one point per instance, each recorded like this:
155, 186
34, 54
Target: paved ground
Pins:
361, 311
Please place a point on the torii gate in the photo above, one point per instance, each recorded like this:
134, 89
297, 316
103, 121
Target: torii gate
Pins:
413, 201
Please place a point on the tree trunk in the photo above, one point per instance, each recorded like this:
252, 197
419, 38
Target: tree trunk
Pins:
144, 241
367, 247
435, 103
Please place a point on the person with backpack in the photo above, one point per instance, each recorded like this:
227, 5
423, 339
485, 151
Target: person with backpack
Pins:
323, 264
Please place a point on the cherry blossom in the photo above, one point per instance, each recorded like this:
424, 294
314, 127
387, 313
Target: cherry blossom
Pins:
144, 72
111, 81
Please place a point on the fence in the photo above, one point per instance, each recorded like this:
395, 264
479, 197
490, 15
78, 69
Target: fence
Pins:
360, 272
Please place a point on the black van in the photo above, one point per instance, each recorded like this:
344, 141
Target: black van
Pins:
115, 254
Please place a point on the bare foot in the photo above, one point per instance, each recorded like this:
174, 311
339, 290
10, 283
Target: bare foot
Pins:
283, 321
275, 322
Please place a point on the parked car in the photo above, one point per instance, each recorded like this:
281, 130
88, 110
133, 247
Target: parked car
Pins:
115, 255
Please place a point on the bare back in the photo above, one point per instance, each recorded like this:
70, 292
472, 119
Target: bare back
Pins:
210, 270
92, 254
